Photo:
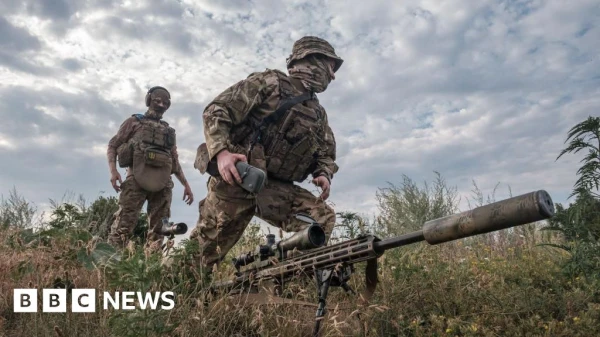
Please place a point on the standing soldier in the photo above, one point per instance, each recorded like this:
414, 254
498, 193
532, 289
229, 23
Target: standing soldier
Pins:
274, 122
145, 145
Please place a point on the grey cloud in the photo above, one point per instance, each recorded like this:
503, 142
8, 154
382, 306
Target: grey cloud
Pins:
223, 8
19, 62
168, 8
16, 39
518, 154
486, 64
80, 111
227, 36
9, 6
71, 64
52, 9
171, 34
59, 12
17, 46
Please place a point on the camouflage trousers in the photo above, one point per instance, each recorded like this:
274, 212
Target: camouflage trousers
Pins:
227, 210
131, 200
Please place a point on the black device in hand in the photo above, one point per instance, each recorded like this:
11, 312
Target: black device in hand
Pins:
253, 178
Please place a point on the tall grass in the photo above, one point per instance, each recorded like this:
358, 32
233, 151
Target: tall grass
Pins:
461, 289
506, 285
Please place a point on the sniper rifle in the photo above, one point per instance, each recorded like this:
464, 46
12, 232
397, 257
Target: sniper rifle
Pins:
305, 253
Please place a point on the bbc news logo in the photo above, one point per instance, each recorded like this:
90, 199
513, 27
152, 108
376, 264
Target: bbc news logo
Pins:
84, 300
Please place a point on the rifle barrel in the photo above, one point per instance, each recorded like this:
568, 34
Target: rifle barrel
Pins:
515, 211
402, 240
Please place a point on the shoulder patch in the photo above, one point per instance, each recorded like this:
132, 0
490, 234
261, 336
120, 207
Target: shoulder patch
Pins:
138, 116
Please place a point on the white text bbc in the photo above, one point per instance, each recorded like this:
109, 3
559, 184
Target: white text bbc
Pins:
84, 300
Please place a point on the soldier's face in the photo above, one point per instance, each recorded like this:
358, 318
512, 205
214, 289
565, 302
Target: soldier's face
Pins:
326, 65
159, 102
331, 65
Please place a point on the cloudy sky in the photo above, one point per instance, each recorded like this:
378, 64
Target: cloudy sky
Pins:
477, 90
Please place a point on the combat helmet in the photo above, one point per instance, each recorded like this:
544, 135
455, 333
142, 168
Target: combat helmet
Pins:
313, 45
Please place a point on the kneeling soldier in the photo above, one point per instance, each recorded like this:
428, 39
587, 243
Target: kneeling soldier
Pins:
275, 122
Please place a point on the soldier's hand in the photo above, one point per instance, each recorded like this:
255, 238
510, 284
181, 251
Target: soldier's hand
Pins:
226, 163
323, 183
113, 180
187, 192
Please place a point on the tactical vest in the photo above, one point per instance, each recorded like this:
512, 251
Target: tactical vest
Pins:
150, 148
291, 144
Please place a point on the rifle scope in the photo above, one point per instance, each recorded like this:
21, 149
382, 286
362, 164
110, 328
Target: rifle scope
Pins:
310, 237
172, 229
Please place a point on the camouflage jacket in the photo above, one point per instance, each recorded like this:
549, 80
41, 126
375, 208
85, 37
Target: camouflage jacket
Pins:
298, 144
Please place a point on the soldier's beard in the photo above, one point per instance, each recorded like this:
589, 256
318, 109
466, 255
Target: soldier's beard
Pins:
313, 74
154, 114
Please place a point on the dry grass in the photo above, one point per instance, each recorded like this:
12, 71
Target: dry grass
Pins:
457, 289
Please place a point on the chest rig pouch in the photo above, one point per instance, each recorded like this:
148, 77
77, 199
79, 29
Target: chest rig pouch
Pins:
283, 144
290, 137
125, 155
152, 159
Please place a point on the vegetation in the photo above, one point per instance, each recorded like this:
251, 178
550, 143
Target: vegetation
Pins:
579, 224
537, 280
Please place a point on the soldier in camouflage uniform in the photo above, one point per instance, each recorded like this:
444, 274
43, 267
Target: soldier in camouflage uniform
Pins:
239, 125
145, 145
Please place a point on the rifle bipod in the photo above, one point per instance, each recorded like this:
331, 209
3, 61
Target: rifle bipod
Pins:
169, 243
325, 278
249, 291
